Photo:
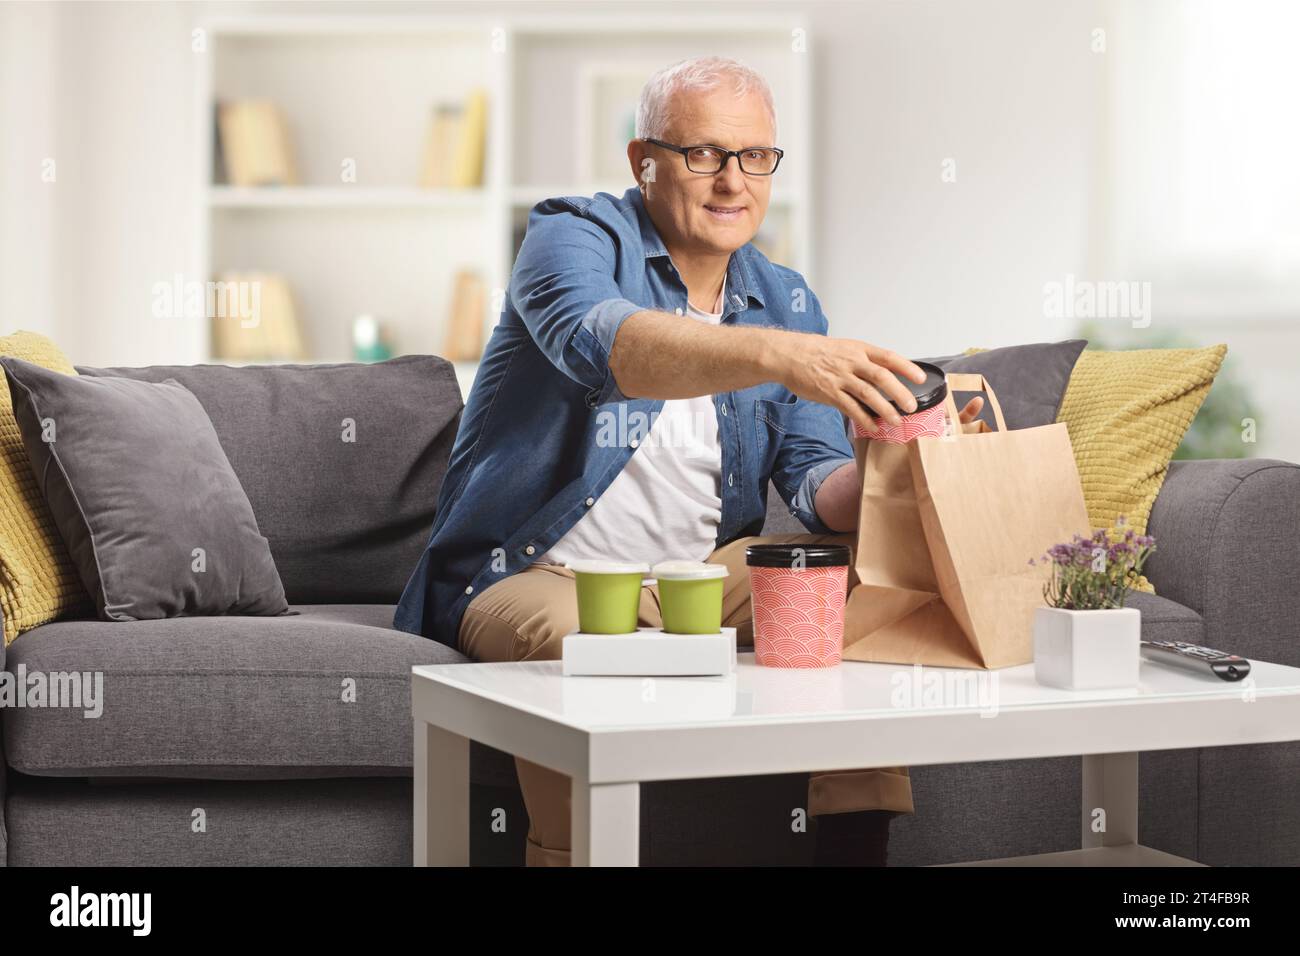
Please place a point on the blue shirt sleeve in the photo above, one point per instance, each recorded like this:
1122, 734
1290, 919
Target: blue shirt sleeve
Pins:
563, 288
815, 443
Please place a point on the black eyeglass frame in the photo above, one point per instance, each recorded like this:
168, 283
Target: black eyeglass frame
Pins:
727, 154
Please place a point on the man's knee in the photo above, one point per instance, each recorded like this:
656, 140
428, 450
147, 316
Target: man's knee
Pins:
524, 617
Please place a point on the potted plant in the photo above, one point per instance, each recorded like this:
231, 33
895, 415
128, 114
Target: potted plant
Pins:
1085, 638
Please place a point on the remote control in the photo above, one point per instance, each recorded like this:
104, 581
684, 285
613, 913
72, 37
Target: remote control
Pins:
1197, 658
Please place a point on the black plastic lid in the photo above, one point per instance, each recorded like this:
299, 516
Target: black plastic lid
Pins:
929, 393
797, 555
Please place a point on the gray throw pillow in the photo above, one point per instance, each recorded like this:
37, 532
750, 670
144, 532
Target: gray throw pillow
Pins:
151, 512
342, 463
1029, 380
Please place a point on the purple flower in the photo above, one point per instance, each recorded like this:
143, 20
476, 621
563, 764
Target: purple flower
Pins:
1076, 582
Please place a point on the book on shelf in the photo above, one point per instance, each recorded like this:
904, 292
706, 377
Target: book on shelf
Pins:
464, 339
255, 146
440, 147
468, 170
456, 144
254, 318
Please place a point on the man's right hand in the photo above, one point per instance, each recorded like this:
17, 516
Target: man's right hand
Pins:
853, 376
661, 356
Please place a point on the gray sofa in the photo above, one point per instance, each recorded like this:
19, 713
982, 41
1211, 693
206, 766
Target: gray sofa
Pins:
230, 741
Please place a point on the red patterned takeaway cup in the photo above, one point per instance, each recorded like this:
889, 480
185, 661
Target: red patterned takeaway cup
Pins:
797, 594
930, 417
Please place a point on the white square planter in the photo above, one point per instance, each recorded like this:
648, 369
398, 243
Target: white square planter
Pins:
1087, 650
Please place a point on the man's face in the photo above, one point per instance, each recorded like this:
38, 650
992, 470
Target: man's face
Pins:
701, 212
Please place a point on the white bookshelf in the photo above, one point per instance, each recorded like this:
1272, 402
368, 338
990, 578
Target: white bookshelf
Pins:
344, 197
362, 89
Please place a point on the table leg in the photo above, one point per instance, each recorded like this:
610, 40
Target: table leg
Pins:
606, 824
441, 824
1110, 783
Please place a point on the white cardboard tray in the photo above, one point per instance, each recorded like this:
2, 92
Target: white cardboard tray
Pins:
650, 652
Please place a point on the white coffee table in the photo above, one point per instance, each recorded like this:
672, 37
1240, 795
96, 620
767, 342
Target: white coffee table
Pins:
610, 734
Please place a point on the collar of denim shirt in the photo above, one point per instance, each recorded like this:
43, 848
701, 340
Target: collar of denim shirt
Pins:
740, 284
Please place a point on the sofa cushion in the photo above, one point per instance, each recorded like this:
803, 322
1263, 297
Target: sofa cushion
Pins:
38, 581
1127, 412
225, 697
143, 496
1030, 380
780, 519
1166, 620
342, 463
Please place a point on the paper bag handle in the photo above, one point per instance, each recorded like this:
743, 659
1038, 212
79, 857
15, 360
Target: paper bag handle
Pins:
971, 382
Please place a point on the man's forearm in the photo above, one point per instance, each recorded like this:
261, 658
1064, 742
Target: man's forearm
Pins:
661, 356
837, 499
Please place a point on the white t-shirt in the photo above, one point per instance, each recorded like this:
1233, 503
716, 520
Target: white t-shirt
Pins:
667, 501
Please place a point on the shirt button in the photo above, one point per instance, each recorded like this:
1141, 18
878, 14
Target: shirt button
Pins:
679, 311
590, 502
731, 480
470, 589
634, 442
724, 409
530, 550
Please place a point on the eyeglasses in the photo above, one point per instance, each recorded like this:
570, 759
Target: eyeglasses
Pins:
753, 160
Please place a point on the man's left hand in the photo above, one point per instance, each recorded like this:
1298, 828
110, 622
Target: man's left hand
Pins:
837, 498
971, 411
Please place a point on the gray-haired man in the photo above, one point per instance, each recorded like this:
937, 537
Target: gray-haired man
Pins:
656, 302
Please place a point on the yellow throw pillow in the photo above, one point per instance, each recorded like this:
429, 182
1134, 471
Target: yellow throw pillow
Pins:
38, 582
1126, 413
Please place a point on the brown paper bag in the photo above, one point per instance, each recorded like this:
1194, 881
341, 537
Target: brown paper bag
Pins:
946, 529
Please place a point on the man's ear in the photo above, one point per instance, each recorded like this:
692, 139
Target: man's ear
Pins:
637, 157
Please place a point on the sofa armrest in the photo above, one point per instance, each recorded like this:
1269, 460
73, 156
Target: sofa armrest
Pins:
1228, 547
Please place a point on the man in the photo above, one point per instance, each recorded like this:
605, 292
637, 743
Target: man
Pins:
655, 303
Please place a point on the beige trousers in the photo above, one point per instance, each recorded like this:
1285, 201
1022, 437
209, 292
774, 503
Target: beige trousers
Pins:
526, 616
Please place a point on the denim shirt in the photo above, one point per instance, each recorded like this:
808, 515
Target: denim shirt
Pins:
546, 430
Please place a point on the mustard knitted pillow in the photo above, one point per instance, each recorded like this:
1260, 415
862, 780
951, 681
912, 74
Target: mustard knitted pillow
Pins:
38, 582
1126, 413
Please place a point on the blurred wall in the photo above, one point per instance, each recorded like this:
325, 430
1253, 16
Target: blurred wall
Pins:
108, 91
28, 111
904, 258
966, 154
1010, 93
